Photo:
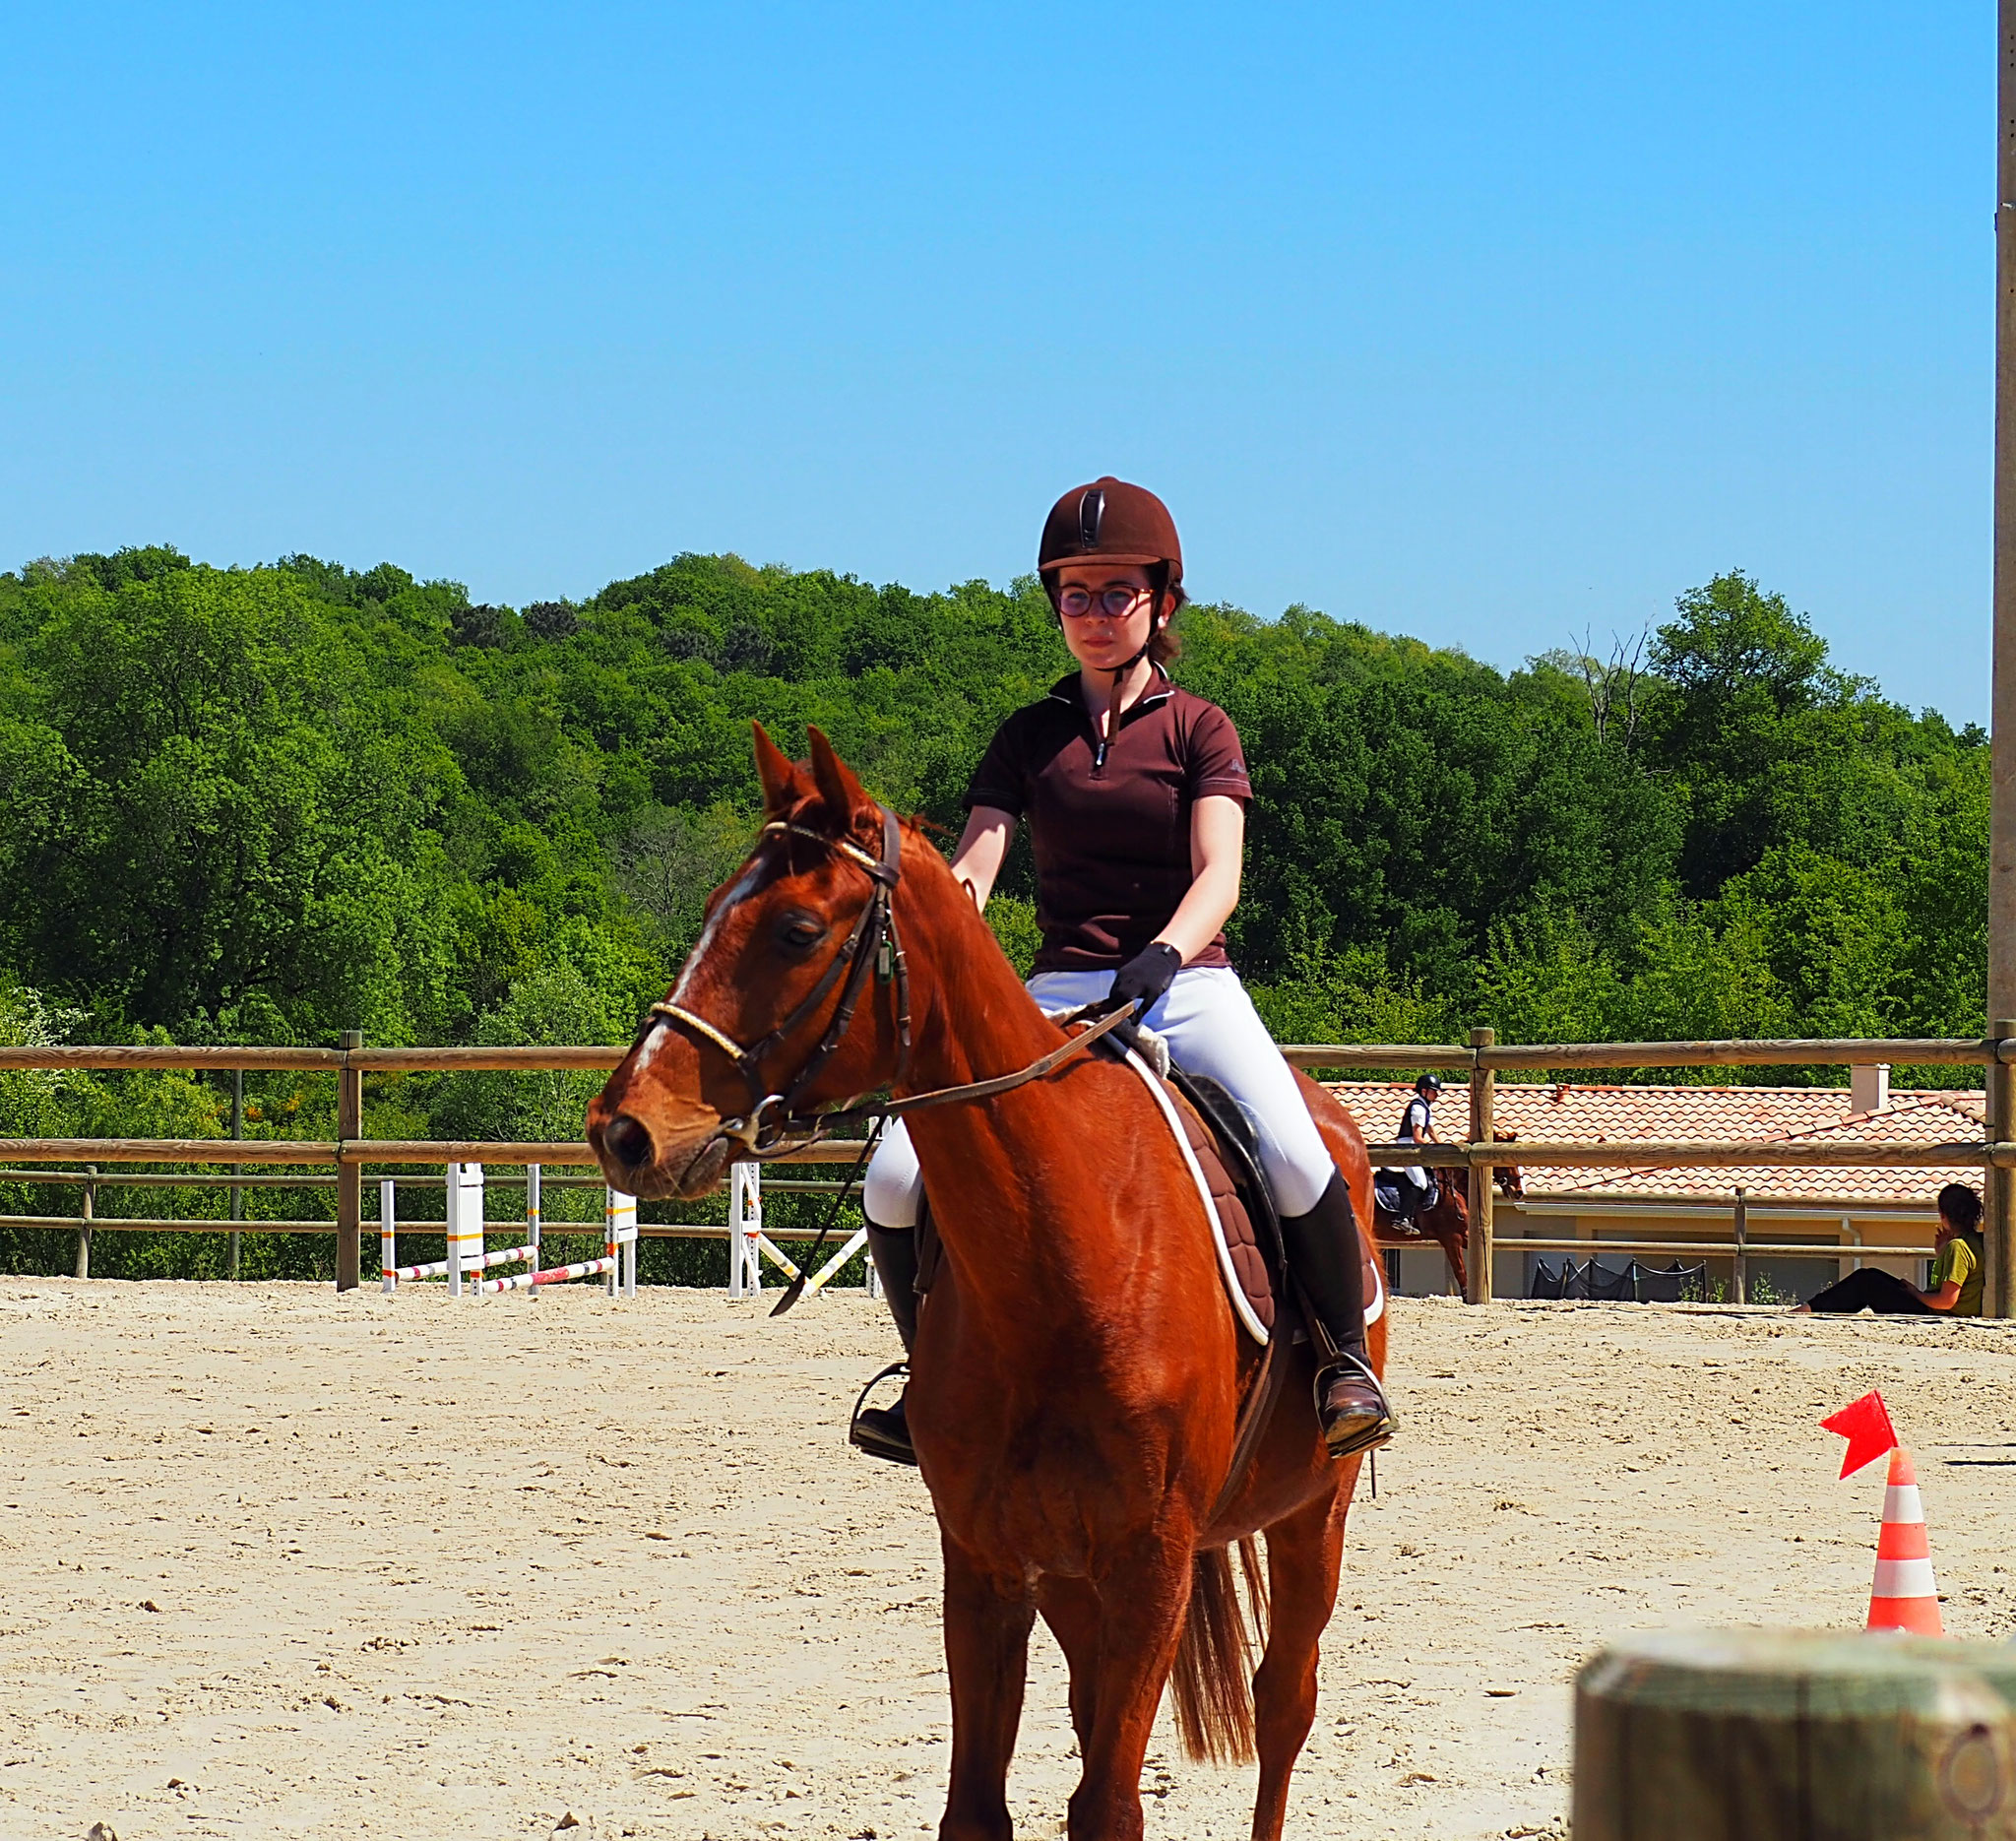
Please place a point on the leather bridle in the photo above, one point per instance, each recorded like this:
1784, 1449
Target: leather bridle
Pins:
774, 1128
773, 1125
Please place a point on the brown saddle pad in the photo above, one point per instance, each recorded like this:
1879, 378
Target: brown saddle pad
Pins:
1241, 1240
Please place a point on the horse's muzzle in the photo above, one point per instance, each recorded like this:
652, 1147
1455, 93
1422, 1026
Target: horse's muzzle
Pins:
634, 1161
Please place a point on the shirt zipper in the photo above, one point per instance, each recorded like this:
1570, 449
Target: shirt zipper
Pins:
1103, 743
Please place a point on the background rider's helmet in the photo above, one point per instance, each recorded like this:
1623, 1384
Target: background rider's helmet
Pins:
1110, 521
1428, 1085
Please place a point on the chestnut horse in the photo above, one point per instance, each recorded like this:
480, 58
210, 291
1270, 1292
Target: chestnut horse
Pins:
1443, 1220
1078, 1372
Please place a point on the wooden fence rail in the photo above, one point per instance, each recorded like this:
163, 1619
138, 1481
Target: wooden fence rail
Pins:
1808, 1052
1526, 1153
1720, 1249
554, 1230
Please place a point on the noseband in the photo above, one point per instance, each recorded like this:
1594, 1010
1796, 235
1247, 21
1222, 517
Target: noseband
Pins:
773, 1127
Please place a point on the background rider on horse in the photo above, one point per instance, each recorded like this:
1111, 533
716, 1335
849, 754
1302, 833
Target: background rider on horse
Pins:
1404, 1194
1135, 793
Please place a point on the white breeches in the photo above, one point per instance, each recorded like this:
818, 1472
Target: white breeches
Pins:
1213, 1030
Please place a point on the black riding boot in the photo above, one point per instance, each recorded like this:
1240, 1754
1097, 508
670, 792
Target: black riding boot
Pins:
1324, 1254
883, 1432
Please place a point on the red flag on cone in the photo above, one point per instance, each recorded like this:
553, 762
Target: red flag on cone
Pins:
1866, 1425
1905, 1596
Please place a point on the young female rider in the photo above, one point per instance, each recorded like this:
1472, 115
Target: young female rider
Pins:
1135, 793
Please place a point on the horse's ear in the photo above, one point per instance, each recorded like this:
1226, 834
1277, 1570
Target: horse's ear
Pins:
837, 788
782, 784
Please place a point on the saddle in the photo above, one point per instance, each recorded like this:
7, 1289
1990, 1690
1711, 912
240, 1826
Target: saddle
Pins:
1398, 1198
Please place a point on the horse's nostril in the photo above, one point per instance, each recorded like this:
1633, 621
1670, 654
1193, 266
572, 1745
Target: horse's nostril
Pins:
627, 1141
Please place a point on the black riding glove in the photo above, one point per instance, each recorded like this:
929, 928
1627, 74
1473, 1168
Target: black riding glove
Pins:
1146, 975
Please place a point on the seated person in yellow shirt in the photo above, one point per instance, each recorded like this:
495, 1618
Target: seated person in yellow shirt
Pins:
1956, 1271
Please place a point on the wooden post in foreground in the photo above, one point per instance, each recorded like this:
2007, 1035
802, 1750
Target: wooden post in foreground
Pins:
1792, 1735
1740, 1292
1997, 1301
349, 1178
1999, 1224
1484, 1095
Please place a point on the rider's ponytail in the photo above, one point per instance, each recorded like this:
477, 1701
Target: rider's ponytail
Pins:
1166, 644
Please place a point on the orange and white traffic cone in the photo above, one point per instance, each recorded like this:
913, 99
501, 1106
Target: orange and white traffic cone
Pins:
1904, 1596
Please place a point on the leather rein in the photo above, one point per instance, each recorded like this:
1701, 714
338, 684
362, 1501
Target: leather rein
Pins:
774, 1128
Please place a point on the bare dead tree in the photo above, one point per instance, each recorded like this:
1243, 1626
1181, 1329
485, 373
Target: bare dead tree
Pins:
1612, 686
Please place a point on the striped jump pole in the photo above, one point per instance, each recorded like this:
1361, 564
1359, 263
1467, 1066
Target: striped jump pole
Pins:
438, 1268
832, 1268
617, 1266
556, 1275
463, 1230
466, 1258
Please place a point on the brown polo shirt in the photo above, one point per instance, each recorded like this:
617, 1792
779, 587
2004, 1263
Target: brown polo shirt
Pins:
1110, 825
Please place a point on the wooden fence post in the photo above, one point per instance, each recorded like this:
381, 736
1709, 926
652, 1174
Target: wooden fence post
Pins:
350, 1177
84, 1219
1999, 1288
1483, 1093
1740, 1290
238, 1169
1786, 1735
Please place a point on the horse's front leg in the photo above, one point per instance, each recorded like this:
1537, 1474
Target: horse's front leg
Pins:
986, 1655
1142, 1603
1070, 1607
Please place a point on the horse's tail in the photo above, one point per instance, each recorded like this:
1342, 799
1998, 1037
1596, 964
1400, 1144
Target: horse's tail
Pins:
1211, 1680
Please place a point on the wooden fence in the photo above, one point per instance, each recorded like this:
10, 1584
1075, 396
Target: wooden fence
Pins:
1482, 1060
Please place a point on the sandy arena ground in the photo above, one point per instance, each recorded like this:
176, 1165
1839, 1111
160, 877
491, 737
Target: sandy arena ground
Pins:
275, 1563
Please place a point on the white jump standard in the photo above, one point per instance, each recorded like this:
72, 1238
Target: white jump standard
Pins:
749, 1245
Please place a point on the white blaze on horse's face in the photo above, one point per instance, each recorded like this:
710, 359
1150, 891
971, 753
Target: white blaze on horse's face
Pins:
647, 1049
743, 884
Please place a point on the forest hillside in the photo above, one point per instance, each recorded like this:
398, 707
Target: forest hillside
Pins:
268, 805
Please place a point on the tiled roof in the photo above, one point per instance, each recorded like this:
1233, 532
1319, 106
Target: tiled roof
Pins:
1618, 1114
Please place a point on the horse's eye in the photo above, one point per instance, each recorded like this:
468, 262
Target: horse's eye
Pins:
799, 931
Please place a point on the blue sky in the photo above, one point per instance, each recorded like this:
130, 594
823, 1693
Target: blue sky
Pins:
1485, 324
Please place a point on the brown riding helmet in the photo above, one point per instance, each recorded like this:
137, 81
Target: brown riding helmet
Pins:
1110, 521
